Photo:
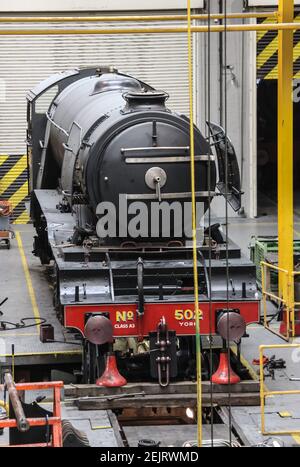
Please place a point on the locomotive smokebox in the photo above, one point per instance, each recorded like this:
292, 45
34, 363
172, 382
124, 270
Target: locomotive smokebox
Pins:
112, 136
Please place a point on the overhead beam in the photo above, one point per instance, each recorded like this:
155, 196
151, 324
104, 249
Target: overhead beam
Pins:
133, 18
50, 31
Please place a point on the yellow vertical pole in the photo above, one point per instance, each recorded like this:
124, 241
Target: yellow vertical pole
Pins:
285, 148
262, 389
194, 227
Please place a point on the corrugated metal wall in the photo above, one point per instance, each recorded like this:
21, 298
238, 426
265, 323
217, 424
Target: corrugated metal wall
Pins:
24, 61
160, 60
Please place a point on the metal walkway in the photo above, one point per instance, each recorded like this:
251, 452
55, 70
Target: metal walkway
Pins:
282, 412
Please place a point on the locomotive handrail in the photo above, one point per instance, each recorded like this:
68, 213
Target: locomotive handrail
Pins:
156, 148
56, 125
179, 195
166, 159
229, 183
111, 277
56, 79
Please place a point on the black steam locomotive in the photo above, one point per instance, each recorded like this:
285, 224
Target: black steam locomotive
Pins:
108, 140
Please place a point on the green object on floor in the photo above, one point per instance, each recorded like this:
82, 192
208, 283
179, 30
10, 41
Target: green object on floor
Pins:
266, 249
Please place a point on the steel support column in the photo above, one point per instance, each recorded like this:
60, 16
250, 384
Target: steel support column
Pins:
285, 148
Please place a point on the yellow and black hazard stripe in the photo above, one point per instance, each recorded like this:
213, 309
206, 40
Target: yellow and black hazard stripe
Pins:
267, 52
14, 185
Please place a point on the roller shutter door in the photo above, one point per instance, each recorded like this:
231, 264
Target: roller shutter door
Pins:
25, 60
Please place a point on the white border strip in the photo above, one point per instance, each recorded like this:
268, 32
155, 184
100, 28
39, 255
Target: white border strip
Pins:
267, 2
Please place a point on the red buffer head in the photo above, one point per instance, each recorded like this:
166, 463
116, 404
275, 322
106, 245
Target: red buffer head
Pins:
225, 374
111, 377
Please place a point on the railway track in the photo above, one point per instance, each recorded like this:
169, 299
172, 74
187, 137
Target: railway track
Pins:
149, 395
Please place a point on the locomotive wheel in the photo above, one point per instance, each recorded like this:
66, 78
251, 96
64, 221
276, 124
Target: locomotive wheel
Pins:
93, 362
89, 363
211, 363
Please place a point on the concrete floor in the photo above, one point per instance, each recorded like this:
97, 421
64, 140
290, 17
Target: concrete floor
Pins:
25, 283
96, 425
282, 412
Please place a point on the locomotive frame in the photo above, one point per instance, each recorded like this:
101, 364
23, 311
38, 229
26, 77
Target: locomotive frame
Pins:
144, 290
